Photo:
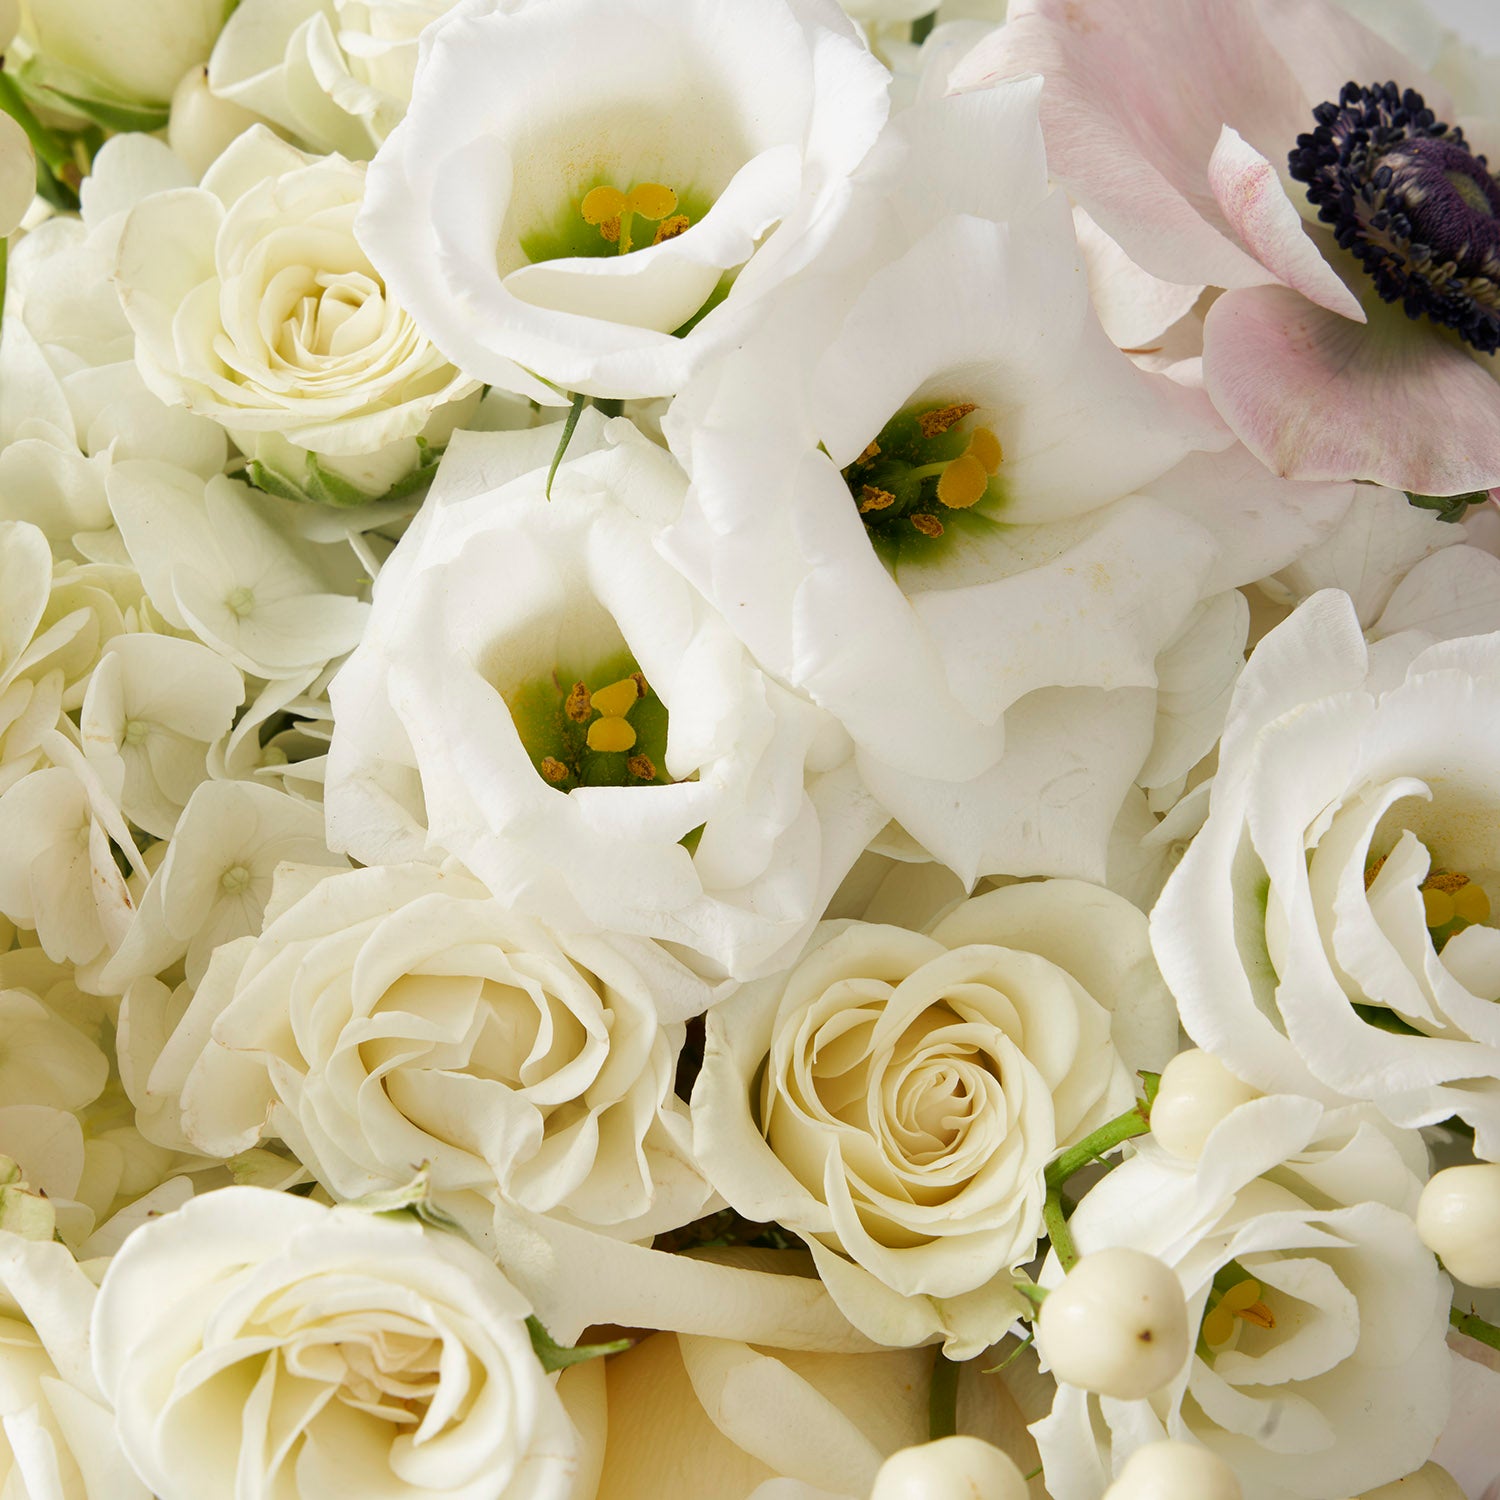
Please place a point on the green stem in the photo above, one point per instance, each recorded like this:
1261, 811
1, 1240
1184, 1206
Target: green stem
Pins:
1475, 1327
921, 28
942, 1399
569, 427
50, 147
1135, 1121
1056, 1220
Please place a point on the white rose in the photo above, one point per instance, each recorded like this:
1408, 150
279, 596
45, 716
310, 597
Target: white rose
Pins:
688, 1415
269, 318
929, 494
384, 1359
1329, 931
894, 1098
696, 802
337, 75
513, 1061
57, 1437
129, 57
574, 180
1321, 1366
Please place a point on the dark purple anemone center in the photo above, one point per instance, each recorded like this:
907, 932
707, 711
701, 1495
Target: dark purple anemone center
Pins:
1411, 202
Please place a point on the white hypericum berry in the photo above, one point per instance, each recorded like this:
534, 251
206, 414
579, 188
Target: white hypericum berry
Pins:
1175, 1471
1117, 1325
952, 1468
1430, 1482
1459, 1219
1196, 1092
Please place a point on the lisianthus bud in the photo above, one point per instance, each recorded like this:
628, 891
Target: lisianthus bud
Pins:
201, 124
1175, 1471
953, 1468
1459, 1219
1117, 1325
1430, 1482
1196, 1092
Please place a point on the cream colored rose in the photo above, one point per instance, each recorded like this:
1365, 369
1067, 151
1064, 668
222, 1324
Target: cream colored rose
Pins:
257, 1343
399, 1015
895, 1097
269, 318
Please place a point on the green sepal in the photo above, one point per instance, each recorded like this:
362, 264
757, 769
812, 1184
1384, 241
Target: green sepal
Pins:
323, 487
555, 1357
112, 112
1448, 507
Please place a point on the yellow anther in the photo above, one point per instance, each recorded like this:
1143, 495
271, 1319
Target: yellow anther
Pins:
928, 525
1372, 870
985, 446
1445, 880
616, 700
871, 453
601, 204
611, 735
649, 199
1438, 907
1471, 904
872, 498
962, 483
936, 422
642, 767
1258, 1314
577, 705
554, 770
1241, 1301
669, 229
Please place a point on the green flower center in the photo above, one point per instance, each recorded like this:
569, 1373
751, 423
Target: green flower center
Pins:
1234, 1298
927, 470
601, 727
603, 219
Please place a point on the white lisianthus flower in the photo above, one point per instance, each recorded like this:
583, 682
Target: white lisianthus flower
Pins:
1321, 1365
577, 182
597, 748
1329, 929
337, 74
930, 494
269, 318
400, 1015
57, 1437
382, 1358
894, 1098
128, 58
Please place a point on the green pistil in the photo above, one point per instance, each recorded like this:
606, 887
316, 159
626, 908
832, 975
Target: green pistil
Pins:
902, 486
554, 717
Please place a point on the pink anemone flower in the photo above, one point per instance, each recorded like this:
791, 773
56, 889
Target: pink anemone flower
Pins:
1279, 150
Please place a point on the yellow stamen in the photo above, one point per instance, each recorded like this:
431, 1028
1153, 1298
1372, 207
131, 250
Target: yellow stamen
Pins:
928, 525
871, 453
610, 231
1438, 907
669, 229
940, 419
616, 700
1472, 904
1449, 881
602, 204
962, 483
871, 498
554, 770
1372, 870
641, 767
985, 446
577, 705
611, 735
650, 200
1258, 1314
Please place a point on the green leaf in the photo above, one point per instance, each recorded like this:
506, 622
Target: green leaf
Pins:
555, 1357
321, 486
1448, 507
569, 427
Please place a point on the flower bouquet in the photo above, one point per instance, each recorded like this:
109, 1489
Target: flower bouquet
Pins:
749, 748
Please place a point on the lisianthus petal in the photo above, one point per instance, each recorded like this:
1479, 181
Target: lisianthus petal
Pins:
1315, 396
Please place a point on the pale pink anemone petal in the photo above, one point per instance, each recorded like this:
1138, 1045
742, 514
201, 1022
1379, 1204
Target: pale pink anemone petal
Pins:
1134, 105
1315, 396
1247, 189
